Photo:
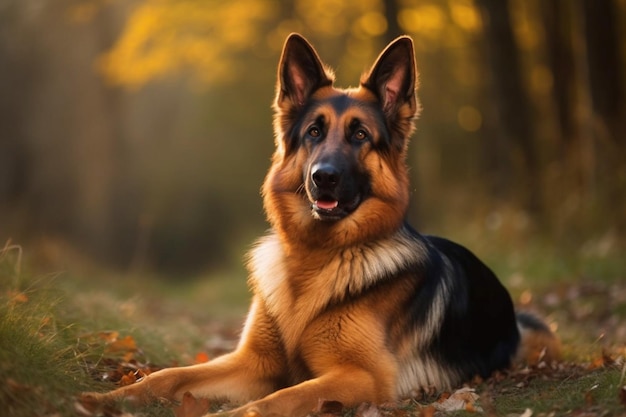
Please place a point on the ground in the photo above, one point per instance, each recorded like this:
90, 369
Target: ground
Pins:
62, 333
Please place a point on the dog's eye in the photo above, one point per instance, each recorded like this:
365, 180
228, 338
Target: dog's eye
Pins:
314, 132
360, 135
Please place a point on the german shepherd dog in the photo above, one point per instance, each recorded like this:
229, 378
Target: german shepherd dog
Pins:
349, 302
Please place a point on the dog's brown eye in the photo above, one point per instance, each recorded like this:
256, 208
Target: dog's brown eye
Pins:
360, 135
314, 132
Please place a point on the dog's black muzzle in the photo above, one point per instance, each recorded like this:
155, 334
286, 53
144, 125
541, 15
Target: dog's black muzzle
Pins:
333, 191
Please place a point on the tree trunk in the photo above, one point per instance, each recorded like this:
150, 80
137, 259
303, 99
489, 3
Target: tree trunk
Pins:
391, 14
556, 16
510, 102
605, 69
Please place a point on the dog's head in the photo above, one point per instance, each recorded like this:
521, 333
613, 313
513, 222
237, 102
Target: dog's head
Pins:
338, 174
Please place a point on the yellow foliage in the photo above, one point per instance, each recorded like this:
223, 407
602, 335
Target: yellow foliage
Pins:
371, 24
426, 20
166, 36
465, 15
337, 17
203, 37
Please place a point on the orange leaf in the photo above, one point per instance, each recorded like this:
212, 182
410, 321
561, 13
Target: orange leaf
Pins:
126, 344
428, 411
329, 407
191, 406
596, 363
470, 407
18, 297
108, 337
128, 379
201, 357
443, 397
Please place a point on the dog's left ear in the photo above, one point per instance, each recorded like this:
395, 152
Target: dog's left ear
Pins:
393, 78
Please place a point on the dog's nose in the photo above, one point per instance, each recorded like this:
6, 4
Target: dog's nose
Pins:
325, 176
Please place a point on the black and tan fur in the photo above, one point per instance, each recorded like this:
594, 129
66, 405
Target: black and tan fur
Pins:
350, 303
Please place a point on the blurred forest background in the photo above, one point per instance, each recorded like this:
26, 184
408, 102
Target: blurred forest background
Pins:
137, 132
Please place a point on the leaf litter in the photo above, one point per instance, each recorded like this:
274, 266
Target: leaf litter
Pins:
124, 363
590, 306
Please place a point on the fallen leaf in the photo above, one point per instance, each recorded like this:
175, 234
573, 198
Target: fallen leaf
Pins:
126, 344
201, 357
368, 410
191, 406
17, 297
462, 399
428, 411
108, 337
470, 407
334, 408
88, 406
527, 413
128, 379
443, 397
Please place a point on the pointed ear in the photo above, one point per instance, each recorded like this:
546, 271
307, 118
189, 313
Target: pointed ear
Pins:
393, 78
300, 73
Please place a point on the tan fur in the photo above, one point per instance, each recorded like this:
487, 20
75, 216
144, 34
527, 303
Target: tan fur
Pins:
328, 319
379, 216
538, 346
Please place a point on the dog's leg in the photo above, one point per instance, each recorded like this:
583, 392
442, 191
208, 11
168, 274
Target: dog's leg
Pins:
231, 376
346, 384
255, 369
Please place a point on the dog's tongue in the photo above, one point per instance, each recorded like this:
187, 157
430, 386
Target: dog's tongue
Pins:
326, 205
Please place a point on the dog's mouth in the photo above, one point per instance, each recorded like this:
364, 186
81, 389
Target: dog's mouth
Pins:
330, 209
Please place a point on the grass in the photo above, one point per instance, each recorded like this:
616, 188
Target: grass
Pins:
55, 333
54, 329
39, 364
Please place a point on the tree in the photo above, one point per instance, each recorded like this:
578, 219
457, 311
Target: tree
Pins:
556, 17
605, 68
511, 107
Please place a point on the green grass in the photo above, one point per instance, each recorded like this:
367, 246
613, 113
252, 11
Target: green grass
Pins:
52, 330
594, 391
39, 362
51, 325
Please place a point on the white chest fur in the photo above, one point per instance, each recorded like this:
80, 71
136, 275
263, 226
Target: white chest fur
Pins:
322, 276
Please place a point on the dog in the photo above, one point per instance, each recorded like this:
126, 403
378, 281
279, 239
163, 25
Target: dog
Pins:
350, 303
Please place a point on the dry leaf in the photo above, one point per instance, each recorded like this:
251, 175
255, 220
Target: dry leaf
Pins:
126, 344
17, 297
527, 413
462, 399
128, 379
428, 411
192, 406
201, 357
443, 397
334, 408
368, 410
108, 337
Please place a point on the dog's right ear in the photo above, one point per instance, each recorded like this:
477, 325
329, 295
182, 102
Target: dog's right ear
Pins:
300, 73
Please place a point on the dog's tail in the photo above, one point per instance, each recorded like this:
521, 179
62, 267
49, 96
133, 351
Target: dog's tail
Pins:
538, 342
